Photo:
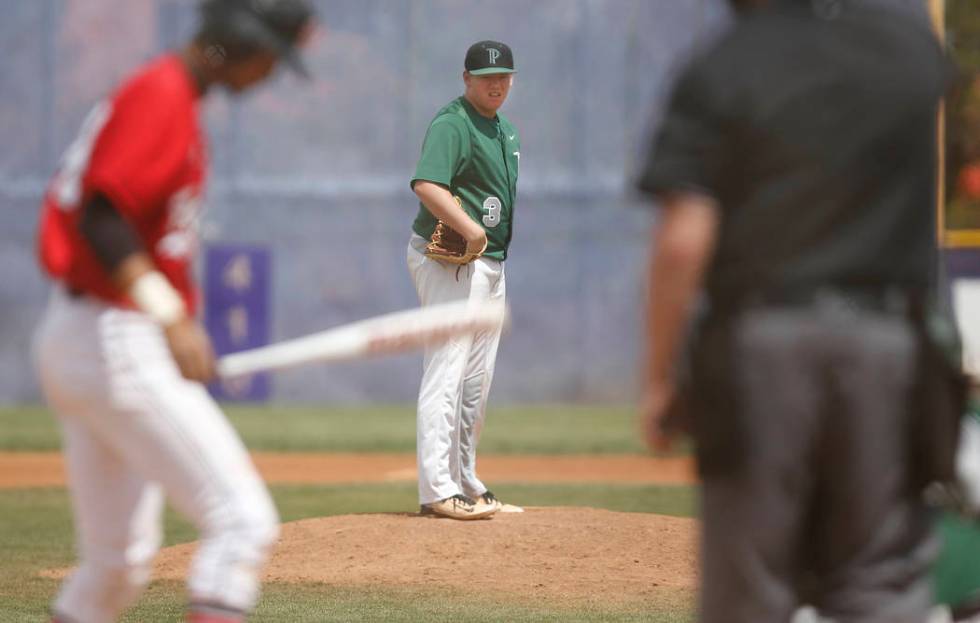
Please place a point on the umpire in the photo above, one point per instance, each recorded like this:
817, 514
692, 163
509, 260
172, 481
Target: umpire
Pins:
796, 174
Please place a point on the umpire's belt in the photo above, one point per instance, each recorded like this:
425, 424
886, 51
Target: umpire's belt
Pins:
885, 299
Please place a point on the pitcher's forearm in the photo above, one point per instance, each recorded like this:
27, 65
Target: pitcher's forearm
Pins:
441, 203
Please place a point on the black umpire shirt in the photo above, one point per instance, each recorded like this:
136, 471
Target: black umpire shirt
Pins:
815, 132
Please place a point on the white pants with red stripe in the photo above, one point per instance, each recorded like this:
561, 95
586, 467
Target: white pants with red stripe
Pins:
456, 377
135, 431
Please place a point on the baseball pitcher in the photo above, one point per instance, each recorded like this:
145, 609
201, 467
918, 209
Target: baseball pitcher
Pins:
120, 357
466, 181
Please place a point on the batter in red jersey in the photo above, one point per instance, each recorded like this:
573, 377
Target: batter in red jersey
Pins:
141, 155
121, 358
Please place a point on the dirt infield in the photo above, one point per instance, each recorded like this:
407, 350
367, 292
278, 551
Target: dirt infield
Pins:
561, 556
29, 469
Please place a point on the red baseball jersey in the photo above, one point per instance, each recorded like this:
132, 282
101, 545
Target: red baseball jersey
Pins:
142, 149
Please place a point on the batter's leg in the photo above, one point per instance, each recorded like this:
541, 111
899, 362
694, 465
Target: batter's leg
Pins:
488, 284
116, 512
161, 428
117, 525
183, 440
437, 432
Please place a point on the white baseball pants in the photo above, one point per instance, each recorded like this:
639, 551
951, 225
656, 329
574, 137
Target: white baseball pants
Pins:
134, 431
456, 377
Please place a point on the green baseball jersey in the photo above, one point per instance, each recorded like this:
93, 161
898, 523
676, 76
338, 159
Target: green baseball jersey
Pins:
477, 160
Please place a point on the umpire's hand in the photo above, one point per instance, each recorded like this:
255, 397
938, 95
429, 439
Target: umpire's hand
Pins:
654, 406
191, 348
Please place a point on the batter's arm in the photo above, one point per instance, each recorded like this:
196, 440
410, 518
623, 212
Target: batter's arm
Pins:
188, 342
683, 244
107, 233
120, 252
440, 202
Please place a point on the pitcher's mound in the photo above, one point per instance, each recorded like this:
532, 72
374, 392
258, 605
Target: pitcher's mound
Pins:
553, 554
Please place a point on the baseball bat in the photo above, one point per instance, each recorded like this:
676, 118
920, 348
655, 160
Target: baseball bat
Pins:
387, 334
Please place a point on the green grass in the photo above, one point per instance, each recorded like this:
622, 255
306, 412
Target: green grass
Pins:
28, 428
35, 534
326, 604
509, 430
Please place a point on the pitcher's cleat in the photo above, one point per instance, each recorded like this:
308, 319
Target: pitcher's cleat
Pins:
489, 498
459, 507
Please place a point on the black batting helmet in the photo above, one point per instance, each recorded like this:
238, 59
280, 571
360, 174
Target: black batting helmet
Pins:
273, 25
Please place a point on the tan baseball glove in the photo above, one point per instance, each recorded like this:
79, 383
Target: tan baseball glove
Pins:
448, 245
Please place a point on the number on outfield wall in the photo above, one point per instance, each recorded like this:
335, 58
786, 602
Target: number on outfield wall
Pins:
68, 185
492, 207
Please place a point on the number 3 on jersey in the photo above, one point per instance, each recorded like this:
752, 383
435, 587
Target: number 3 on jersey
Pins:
492, 207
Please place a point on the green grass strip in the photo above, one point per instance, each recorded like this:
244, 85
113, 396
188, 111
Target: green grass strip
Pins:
509, 430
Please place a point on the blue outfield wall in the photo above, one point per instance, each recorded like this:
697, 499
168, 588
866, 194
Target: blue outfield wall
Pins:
318, 173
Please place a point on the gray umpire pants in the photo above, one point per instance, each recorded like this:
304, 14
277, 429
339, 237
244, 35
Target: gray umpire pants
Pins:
818, 508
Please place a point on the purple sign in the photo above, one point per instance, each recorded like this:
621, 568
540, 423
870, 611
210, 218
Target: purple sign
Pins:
236, 311
963, 263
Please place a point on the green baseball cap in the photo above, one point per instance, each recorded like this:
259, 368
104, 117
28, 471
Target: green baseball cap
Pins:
489, 57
